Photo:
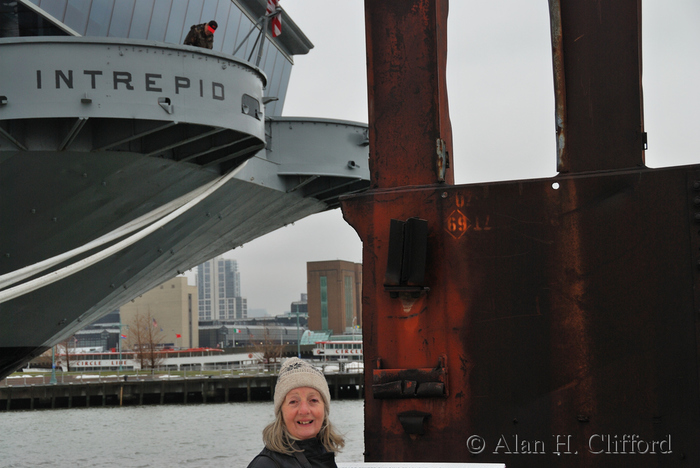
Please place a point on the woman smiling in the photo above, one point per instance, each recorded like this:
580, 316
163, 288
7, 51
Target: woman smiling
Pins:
301, 434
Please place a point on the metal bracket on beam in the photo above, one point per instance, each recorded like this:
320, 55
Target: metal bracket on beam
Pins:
408, 245
443, 158
413, 422
166, 104
410, 383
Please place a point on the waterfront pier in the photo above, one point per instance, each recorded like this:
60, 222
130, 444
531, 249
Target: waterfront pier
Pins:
159, 389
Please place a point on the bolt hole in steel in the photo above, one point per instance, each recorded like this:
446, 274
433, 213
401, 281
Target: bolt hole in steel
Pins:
555, 185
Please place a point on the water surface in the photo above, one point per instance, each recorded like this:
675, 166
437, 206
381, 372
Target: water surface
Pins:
227, 435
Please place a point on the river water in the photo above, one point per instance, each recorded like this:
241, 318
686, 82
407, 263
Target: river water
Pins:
226, 435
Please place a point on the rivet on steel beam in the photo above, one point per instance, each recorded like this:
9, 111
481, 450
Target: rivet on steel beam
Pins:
444, 195
583, 419
698, 264
696, 201
54, 219
696, 185
7, 255
697, 217
33, 211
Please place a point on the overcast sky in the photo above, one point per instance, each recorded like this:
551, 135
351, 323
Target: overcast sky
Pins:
501, 104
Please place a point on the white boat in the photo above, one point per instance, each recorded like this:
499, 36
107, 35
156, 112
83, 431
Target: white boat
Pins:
339, 348
199, 359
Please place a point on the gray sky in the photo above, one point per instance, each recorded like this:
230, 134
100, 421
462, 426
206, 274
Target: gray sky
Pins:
501, 103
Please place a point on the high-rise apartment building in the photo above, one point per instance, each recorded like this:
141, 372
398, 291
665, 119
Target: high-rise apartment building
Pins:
334, 292
219, 287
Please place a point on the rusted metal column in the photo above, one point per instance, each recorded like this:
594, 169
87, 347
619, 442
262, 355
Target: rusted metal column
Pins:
597, 58
409, 124
553, 320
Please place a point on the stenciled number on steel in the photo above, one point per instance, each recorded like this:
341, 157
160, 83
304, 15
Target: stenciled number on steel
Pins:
457, 223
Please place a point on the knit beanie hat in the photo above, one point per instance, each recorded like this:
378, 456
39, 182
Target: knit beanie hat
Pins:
296, 373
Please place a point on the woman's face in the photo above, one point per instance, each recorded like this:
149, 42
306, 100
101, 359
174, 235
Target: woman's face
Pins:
303, 412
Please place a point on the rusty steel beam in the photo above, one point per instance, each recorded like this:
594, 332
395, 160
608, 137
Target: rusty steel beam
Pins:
407, 92
542, 323
597, 62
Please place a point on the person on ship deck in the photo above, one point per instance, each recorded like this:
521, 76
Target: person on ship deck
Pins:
202, 35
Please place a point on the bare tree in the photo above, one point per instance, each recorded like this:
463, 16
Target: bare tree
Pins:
270, 350
64, 349
146, 338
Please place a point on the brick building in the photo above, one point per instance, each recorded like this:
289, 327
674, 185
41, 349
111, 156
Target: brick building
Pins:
334, 299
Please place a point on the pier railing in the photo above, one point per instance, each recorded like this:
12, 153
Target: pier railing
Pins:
35, 391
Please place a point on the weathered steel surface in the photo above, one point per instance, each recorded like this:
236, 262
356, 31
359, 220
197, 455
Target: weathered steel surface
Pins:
566, 309
597, 57
406, 71
564, 313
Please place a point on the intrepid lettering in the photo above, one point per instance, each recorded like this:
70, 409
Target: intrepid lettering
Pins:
127, 81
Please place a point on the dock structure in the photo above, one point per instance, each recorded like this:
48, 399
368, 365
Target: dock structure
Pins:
160, 390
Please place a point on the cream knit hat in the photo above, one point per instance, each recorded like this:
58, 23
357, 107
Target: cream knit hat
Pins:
296, 373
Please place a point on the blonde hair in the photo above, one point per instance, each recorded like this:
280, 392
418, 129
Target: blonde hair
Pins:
278, 439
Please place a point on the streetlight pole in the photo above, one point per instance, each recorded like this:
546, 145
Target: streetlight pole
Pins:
53, 380
298, 338
119, 342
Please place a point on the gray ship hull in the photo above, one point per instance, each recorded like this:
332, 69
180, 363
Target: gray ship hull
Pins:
96, 134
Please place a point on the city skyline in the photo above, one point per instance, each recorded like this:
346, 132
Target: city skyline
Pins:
500, 87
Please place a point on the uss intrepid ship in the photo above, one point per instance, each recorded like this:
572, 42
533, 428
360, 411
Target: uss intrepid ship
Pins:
127, 158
